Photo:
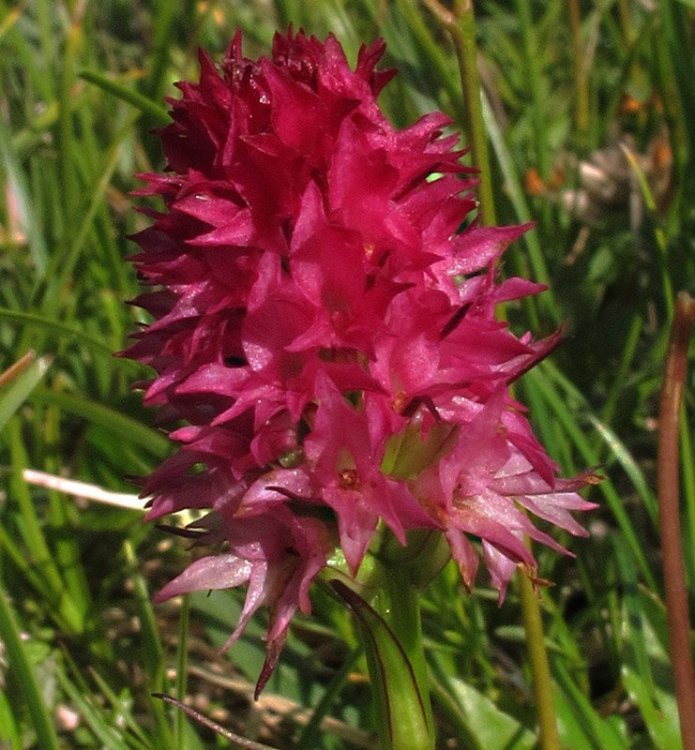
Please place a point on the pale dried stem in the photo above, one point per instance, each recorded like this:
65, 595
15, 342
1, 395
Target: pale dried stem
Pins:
82, 489
17, 368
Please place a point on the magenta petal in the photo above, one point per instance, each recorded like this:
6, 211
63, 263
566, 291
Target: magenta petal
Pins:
477, 248
464, 554
501, 568
212, 572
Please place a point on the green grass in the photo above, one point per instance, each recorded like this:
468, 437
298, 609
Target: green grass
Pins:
81, 88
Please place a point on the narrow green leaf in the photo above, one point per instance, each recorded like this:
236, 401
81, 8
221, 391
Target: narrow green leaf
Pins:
155, 663
50, 325
404, 716
26, 679
109, 735
10, 738
38, 556
647, 672
165, 13
630, 466
600, 733
115, 422
309, 737
558, 404
18, 190
63, 262
69, 150
12, 397
491, 726
122, 705
677, 36
514, 187
145, 105
154, 651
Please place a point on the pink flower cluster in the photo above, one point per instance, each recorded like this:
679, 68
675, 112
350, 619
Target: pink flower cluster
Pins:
325, 334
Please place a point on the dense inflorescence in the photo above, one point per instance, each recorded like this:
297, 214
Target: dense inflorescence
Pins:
324, 335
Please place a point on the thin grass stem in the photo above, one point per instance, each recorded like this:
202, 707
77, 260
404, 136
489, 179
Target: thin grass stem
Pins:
182, 668
461, 26
580, 79
538, 659
68, 145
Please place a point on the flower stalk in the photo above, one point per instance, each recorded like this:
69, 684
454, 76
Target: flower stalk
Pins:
538, 658
398, 603
392, 638
668, 482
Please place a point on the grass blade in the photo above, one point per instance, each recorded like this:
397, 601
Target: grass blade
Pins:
17, 393
153, 110
26, 679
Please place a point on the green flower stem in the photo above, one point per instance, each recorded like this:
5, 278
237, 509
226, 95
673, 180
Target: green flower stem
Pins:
538, 656
391, 631
396, 662
460, 23
669, 510
399, 604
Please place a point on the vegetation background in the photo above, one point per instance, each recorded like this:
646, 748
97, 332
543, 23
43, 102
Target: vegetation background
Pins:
590, 111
